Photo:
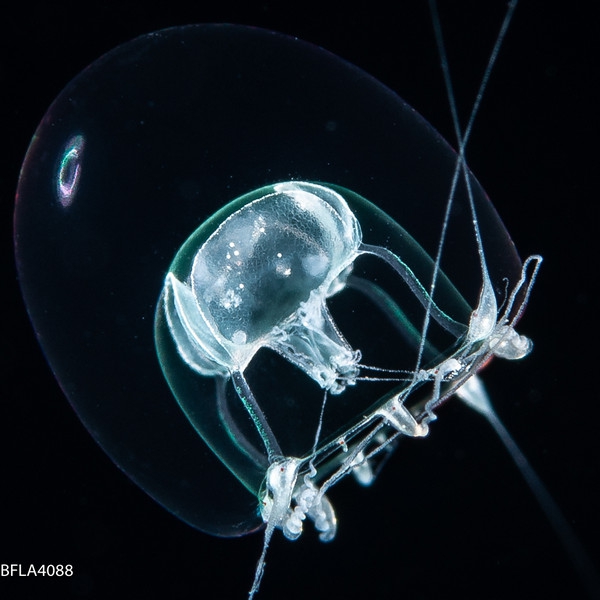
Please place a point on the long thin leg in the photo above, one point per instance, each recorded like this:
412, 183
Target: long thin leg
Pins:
257, 415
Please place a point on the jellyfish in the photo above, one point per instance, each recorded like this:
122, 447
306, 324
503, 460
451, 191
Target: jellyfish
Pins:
258, 275
267, 370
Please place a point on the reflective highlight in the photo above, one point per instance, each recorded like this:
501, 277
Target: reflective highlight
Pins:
69, 171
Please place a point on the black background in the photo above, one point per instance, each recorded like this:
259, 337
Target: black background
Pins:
449, 515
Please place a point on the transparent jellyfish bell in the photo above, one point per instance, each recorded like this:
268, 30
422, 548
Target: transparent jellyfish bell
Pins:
125, 181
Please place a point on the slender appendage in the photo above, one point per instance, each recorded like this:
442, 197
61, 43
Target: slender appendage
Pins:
460, 163
536, 261
416, 287
396, 316
313, 472
256, 414
474, 395
230, 425
261, 564
473, 392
